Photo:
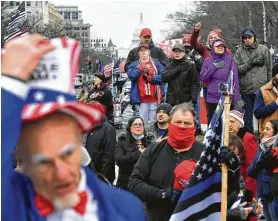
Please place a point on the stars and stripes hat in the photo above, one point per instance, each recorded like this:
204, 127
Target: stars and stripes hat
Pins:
52, 87
237, 115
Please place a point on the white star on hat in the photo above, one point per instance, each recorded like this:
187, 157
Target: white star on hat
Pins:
39, 96
61, 99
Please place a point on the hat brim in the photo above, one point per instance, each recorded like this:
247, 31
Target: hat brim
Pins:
87, 115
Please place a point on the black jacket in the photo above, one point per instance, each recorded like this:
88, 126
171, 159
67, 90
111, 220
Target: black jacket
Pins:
154, 171
100, 144
103, 95
125, 161
183, 83
156, 53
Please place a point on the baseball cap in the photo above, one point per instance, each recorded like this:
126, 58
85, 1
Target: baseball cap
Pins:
179, 46
248, 32
145, 32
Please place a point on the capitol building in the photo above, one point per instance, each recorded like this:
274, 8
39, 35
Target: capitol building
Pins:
135, 41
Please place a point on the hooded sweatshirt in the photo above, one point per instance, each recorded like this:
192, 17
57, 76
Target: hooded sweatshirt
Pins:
214, 76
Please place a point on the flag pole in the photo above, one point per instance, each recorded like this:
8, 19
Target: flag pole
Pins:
224, 185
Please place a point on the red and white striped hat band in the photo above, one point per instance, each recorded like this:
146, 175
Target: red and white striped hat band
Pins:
52, 88
237, 115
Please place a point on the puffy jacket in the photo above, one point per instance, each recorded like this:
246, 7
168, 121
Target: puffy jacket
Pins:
100, 144
156, 53
125, 160
183, 83
133, 74
214, 76
263, 179
251, 78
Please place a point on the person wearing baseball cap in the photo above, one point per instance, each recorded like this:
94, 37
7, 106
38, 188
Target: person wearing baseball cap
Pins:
237, 127
155, 52
42, 118
254, 67
182, 78
266, 102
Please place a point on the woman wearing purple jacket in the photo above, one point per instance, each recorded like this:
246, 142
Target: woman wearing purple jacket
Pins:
216, 70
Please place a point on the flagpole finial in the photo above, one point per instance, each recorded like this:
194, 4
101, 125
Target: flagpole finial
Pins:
141, 18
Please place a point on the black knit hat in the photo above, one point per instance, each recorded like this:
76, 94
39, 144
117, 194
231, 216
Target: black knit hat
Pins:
164, 106
274, 70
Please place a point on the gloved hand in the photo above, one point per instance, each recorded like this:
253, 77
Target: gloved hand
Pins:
257, 61
228, 157
265, 159
165, 193
274, 185
239, 106
147, 78
176, 194
239, 211
219, 64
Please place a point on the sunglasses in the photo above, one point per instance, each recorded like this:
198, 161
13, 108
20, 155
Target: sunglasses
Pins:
147, 36
245, 37
137, 125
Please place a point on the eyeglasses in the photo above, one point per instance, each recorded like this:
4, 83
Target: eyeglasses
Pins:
137, 125
147, 36
245, 37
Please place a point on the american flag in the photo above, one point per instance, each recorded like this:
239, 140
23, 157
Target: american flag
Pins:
108, 69
201, 200
18, 25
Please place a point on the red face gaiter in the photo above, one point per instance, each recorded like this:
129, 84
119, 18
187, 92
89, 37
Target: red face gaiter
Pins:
180, 137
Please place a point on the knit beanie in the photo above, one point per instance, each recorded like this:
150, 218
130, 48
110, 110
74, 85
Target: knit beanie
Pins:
165, 107
237, 115
274, 70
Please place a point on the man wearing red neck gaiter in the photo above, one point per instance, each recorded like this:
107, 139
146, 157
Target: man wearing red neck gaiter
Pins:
153, 176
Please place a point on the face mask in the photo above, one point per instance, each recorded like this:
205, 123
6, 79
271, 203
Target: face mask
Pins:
180, 137
138, 137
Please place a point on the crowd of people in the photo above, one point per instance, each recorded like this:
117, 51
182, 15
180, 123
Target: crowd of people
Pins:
156, 154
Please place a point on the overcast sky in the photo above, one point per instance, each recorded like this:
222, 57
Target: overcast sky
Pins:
118, 19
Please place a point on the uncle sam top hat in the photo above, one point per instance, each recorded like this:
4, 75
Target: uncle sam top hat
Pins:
52, 87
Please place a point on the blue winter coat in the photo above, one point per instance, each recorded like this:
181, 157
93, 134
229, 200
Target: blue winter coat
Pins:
17, 192
134, 72
263, 179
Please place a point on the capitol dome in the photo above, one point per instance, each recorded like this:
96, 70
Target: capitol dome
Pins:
135, 37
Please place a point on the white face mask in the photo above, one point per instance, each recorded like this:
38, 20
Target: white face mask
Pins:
138, 137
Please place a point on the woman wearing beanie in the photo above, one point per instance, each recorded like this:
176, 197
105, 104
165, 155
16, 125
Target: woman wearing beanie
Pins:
266, 102
101, 93
129, 148
258, 168
216, 70
250, 149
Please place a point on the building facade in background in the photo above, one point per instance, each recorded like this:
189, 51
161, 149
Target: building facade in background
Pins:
74, 25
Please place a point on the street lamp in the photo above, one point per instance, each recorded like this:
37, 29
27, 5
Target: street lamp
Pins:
264, 21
